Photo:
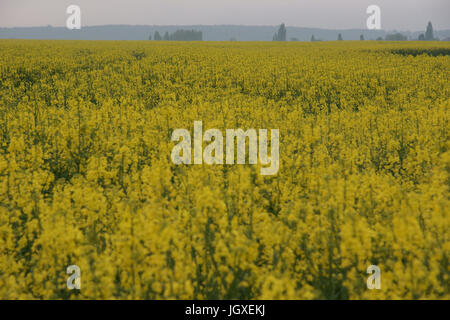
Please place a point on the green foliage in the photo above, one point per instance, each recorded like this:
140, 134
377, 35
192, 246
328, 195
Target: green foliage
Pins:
429, 34
281, 34
396, 37
157, 36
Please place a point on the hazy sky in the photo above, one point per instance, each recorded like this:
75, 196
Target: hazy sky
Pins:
336, 14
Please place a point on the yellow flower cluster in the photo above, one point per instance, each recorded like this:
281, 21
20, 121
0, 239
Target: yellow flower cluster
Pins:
86, 176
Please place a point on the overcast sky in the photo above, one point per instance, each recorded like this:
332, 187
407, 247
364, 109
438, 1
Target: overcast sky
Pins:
334, 14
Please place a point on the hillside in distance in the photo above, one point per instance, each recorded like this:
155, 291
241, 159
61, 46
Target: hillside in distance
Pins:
210, 33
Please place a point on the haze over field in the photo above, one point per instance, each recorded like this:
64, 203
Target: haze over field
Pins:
210, 33
328, 14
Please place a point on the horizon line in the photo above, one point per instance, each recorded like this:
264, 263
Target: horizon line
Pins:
214, 25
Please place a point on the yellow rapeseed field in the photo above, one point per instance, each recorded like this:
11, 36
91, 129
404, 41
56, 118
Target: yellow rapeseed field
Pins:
86, 176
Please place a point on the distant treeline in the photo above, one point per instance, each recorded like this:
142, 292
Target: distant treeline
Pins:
281, 35
210, 33
179, 35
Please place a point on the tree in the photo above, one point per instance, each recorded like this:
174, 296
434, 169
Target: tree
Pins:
396, 37
157, 36
186, 35
313, 38
340, 37
379, 39
150, 37
429, 33
361, 37
421, 37
166, 36
281, 34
